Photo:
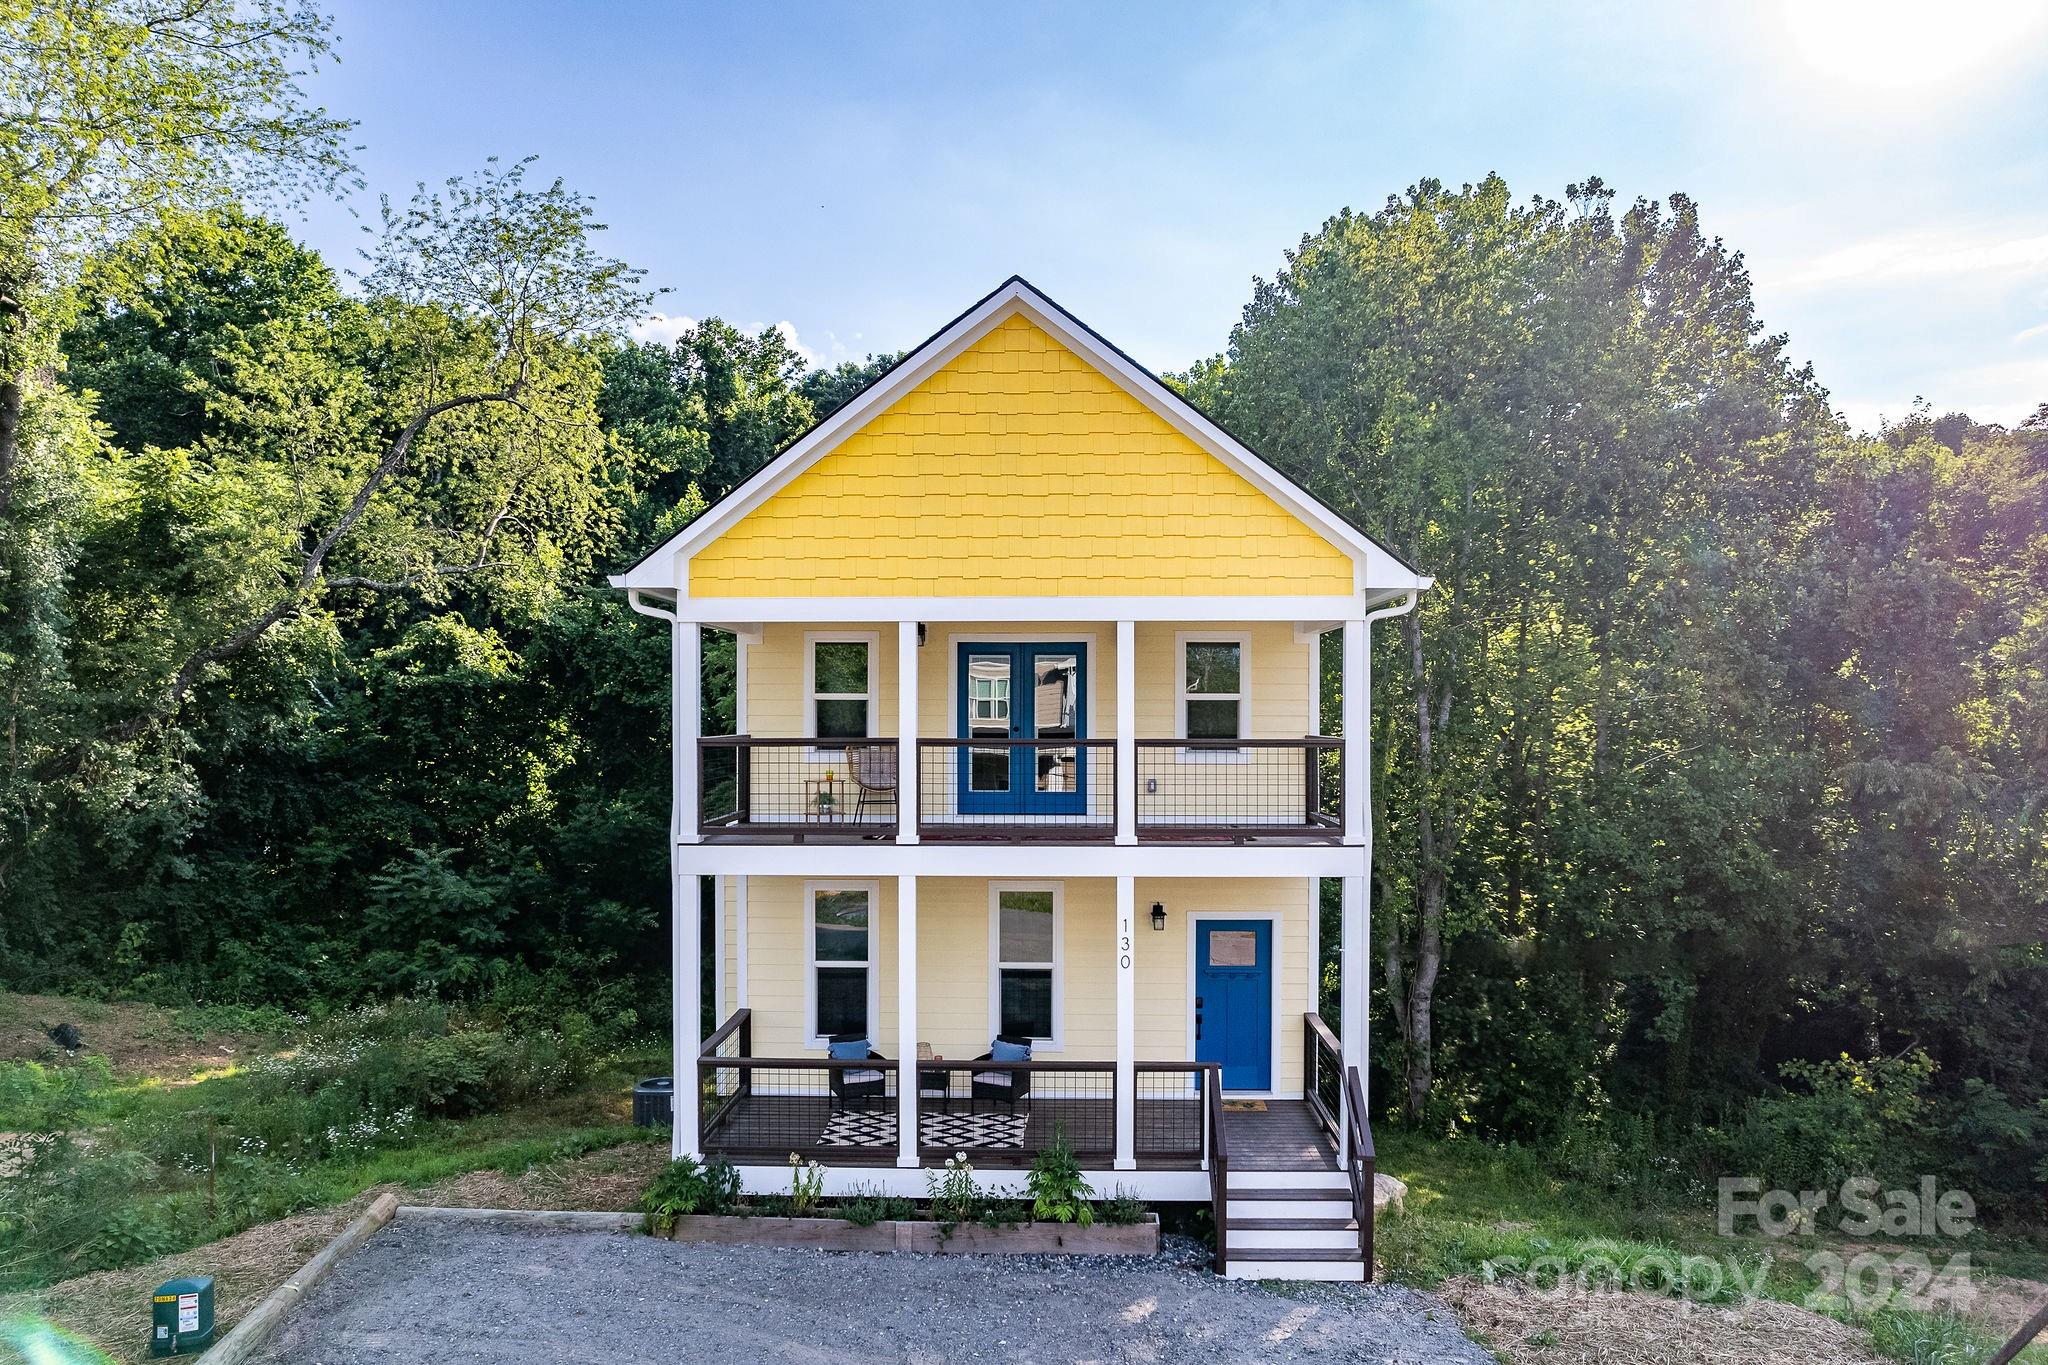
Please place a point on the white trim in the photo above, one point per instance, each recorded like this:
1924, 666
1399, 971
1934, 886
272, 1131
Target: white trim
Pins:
1160, 1186
1373, 564
1276, 918
1127, 733
1058, 965
740, 932
812, 639
1124, 944
873, 889
718, 1010
1243, 698
887, 858
908, 1096
723, 612
741, 643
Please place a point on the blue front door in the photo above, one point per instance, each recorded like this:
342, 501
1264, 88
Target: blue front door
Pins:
1022, 692
1234, 1000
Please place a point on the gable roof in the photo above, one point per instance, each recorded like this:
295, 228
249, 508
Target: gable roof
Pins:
1378, 568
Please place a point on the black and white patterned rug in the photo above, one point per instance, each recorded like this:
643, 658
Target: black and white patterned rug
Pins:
958, 1132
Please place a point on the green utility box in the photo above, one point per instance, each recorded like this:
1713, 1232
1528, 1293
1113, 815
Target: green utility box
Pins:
181, 1317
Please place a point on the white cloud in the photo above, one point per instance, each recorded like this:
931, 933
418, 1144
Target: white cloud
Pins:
1919, 256
2039, 329
788, 330
662, 329
2007, 391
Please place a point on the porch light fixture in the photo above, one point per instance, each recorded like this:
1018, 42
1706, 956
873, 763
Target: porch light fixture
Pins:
1158, 917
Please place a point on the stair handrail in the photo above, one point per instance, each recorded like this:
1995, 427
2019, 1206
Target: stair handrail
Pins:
1362, 1164
1219, 1165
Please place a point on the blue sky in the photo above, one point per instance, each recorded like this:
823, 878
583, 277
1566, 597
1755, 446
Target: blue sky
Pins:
862, 172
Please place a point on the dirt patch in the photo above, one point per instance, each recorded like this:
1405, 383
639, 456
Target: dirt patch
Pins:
607, 1181
1528, 1327
2004, 1305
136, 1040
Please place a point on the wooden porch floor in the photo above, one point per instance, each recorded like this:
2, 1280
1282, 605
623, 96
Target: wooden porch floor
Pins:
1284, 1137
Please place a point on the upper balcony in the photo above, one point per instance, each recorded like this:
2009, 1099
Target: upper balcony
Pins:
1018, 735
1006, 790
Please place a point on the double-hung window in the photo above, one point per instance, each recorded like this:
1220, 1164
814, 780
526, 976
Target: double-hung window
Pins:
1212, 692
840, 686
841, 951
1024, 930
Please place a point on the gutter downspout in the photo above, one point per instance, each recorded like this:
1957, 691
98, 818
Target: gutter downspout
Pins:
684, 904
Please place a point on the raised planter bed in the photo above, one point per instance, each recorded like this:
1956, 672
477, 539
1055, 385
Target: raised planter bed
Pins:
836, 1234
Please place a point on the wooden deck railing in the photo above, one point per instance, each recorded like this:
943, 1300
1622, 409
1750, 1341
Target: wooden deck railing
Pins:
1219, 1172
1322, 1070
1362, 1165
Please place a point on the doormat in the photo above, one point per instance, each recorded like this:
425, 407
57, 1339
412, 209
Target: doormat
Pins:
1244, 1106
956, 1132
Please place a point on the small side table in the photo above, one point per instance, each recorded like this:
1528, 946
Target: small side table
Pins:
814, 787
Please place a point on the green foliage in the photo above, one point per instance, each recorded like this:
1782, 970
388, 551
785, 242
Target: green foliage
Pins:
806, 1186
1122, 1207
104, 1175
1845, 1118
685, 1187
1054, 1185
866, 1205
952, 1192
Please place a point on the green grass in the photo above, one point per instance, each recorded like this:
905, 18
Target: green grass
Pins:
1492, 1213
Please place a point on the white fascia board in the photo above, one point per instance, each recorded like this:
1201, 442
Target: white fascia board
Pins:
723, 611
667, 567
874, 858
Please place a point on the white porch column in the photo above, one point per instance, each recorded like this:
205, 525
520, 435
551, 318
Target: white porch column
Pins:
1356, 684
1355, 932
906, 1020
1126, 1023
906, 732
686, 949
1126, 733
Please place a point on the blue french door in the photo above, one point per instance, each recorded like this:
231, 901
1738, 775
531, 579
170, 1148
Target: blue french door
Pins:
1011, 692
1234, 1000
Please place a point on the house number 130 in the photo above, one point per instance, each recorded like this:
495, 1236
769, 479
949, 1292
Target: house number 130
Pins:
1123, 943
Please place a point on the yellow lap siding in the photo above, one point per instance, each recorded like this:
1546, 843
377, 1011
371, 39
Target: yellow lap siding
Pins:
954, 968
1018, 469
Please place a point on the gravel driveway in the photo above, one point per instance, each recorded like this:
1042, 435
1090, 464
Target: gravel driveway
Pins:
425, 1290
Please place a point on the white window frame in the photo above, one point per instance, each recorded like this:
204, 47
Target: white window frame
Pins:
812, 639
1057, 1042
1243, 641
813, 1038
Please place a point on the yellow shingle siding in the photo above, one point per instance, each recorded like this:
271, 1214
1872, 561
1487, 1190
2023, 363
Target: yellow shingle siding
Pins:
1018, 469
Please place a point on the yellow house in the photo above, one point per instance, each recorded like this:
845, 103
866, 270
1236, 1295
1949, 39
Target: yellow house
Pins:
1022, 827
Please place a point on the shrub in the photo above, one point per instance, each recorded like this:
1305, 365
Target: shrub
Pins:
1851, 1118
1057, 1190
685, 1187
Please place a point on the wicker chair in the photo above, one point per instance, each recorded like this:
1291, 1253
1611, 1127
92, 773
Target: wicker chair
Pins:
873, 767
1004, 1086
853, 1087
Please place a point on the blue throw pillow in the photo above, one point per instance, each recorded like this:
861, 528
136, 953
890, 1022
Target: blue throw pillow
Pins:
855, 1051
1009, 1052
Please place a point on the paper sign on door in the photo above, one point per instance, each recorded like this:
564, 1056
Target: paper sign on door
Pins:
1233, 948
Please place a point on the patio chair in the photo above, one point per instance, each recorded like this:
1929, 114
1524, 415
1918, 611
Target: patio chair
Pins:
852, 1086
1009, 1088
873, 767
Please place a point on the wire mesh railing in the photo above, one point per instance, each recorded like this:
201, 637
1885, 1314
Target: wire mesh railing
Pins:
1018, 788
796, 786
1169, 1116
1240, 788
762, 1109
1015, 1109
